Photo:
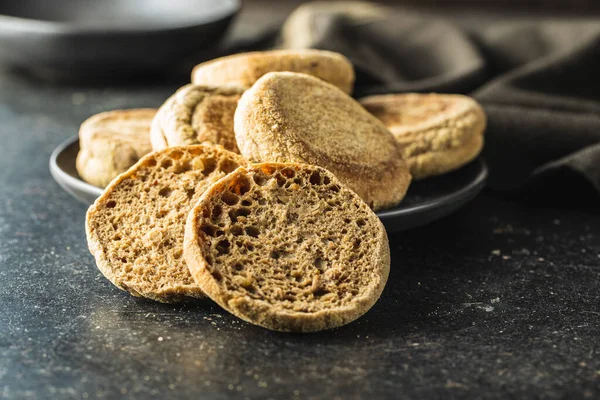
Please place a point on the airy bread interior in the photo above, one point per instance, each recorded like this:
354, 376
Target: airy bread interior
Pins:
135, 229
291, 236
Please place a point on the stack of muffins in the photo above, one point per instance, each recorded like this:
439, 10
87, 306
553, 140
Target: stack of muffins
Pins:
261, 186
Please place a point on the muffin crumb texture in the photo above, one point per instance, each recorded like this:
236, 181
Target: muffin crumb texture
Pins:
291, 237
136, 228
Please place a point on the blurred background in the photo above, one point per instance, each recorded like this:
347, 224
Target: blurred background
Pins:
66, 39
532, 64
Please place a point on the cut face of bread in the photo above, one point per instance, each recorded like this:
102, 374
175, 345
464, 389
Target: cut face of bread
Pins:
438, 132
197, 114
287, 247
246, 68
290, 117
111, 142
135, 229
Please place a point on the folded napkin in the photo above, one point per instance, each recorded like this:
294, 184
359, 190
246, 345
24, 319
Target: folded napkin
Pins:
539, 82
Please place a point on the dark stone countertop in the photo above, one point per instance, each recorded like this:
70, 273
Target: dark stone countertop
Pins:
498, 300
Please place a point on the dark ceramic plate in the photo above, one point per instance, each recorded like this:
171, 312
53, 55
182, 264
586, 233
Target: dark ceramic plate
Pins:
108, 37
425, 202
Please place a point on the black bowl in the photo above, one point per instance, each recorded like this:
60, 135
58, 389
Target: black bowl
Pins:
108, 38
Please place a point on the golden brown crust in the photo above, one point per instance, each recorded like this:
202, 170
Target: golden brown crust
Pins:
438, 132
135, 229
196, 114
287, 247
246, 68
290, 117
111, 142
157, 137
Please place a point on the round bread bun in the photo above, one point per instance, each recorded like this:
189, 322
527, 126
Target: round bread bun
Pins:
111, 142
438, 132
246, 68
297, 118
287, 247
196, 114
135, 229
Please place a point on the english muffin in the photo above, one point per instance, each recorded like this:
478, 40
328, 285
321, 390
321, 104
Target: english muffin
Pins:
438, 132
197, 114
287, 247
111, 142
135, 229
297, 118
246, 68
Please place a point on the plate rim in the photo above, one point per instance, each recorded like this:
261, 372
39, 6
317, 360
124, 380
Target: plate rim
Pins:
79, 184
439, 202
443, 201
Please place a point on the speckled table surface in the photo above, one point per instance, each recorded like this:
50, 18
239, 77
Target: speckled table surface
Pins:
498, 300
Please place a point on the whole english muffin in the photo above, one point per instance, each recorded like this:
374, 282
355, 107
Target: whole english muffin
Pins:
287, 247
291, 117
111, 142
246, 68
438, 132
197, 114
135, 229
